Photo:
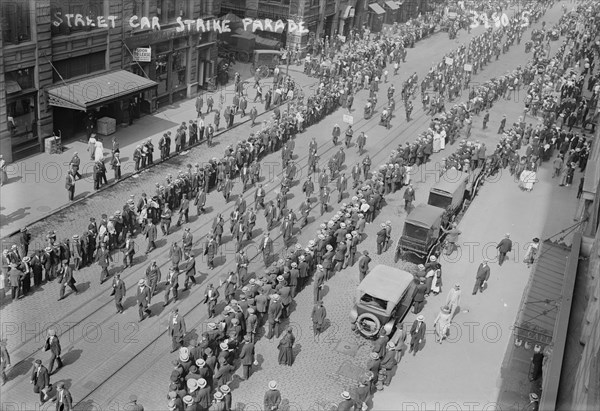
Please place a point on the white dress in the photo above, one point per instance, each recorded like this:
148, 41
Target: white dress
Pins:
443, 139
99, 152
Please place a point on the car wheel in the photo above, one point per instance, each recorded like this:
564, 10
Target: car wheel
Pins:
368, 324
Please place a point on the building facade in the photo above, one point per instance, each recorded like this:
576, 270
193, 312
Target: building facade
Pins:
53, 50
320, 17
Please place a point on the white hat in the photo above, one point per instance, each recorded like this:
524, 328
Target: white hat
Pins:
272, 385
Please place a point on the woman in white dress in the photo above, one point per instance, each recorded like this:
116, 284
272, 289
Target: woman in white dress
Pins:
92, 146
99, 151
442, 324
407, 170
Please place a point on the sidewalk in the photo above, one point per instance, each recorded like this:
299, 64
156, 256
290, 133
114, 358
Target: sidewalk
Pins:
36, 185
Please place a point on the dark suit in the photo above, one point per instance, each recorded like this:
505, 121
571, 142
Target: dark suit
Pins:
53, 345
272, 400
504, 246
41, 380
143, 299
177, 330
483, 274
64, 400
151, 232
266, 246
363, 266
172, 285
119, 291
103, 258
246, 357
419, 297
417, 333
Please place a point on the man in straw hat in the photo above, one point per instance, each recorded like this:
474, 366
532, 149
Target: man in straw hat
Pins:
53, 345
347, 402
417, 334
176, 329
143, 300
272, 397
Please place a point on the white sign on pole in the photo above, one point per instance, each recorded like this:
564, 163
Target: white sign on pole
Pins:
348, 119
143, 54
468, 67
449, 61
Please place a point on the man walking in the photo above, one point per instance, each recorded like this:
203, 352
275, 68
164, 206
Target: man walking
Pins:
70, 185
143, 300
453, 299
409, 197
53, 345
104, 259
176, 329
504, 247
319, 313
363, 265
483, 274
417, 332
40, 380
119, 291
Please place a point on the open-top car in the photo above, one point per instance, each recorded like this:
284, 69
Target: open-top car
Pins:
383, 298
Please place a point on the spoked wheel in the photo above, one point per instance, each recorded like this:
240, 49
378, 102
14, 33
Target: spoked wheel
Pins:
263, 71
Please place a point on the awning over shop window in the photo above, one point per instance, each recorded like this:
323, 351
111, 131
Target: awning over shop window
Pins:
98, 90
348, 12
376, 8
392, 5
12, 87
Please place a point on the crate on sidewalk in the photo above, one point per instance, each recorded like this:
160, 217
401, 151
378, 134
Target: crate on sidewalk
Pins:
106, 126
53, 144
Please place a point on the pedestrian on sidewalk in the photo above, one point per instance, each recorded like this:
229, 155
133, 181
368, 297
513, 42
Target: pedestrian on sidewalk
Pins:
199, 104
74, 164
419, 298
453, 299
347, 403
116, 166
532, 250
409, 197
442, 324
504, 247
246, 356
209, 104
151, 233
486, 119
483, 274
253, 115
70, 185
417, 334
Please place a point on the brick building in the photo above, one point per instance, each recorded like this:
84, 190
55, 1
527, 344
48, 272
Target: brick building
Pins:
64, 60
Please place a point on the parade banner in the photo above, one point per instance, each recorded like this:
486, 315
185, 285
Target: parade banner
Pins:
449, 61
468, 67
348, 119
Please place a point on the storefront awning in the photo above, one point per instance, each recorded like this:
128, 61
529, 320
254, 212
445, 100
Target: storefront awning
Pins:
98, 90
392, 5
12, 87
376, 8
348, 12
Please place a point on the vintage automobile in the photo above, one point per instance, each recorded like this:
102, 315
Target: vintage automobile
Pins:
383, 298
421, 234
266, 61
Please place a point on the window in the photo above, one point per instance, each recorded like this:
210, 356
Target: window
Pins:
79, 66
75, 15
15, 22
179, 69
375, 302
19, 80
22, 116
169, 10
161, 72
